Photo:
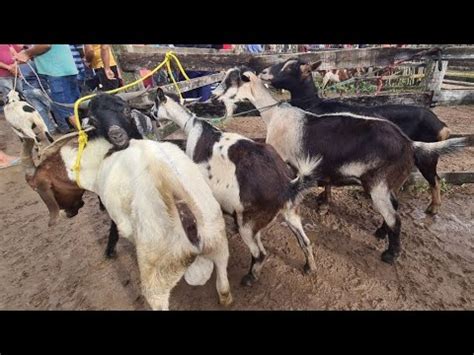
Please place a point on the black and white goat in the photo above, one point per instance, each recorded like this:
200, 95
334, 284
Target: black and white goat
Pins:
418, 123
147, 189
248, 179
24, 118
354, 148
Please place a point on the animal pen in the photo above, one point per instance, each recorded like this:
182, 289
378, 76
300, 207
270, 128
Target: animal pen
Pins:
414, 76
63, 267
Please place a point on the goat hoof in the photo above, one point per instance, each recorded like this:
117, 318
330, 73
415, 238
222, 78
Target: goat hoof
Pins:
389, 257
225, 299
380, 233
111, 254
308, 269
432, 209
248, 280
323, 209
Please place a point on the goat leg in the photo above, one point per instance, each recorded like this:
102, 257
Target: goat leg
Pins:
110, 251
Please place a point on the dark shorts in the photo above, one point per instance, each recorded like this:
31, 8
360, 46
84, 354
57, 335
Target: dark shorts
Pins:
105, 82
65, 90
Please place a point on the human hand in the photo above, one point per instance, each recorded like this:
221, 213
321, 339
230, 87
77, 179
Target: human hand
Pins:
13, 69
22, 57
109, 74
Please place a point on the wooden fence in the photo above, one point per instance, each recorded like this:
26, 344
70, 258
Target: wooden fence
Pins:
430, 66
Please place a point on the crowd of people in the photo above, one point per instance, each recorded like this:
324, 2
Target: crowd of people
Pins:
52, 77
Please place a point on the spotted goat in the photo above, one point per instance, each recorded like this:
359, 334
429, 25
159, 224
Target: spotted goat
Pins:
365, 150
248, 179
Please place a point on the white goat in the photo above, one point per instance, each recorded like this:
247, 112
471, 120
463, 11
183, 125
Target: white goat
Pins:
147, 189
23, 118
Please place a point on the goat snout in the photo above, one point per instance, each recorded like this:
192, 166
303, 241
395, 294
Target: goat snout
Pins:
118, 136
265, 75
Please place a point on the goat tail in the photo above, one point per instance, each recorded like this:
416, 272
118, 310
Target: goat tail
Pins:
430, 150
183, 209
305, 170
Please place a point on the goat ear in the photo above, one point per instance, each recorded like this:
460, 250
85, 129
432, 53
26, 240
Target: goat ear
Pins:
316, 65
160, 95
244, 78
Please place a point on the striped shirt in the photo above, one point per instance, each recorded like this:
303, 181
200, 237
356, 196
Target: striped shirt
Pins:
78, 60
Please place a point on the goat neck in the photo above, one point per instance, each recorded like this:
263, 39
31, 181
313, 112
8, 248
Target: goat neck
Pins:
306, 90
93, 156
263, 100
180, 115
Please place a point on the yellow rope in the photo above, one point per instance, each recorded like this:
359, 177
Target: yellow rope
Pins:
82, 140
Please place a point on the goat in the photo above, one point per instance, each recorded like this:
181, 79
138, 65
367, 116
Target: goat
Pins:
370, 151
418, 123
338, 75
248, 179
52, 184
23, 118
177, 227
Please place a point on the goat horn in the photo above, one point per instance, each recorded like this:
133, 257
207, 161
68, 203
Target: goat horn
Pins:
59, 143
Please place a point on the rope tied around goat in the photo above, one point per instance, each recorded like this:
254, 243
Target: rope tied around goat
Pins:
82, 140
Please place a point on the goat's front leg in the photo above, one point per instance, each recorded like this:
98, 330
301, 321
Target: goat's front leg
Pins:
110, 251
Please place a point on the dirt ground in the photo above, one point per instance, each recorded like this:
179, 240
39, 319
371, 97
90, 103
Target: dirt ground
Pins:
64, 268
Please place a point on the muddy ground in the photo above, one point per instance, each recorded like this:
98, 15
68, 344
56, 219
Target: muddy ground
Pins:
64, 268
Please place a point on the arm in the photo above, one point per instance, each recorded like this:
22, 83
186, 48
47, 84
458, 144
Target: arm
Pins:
4, 66
88, 53
105, 54
32, 52
37, 50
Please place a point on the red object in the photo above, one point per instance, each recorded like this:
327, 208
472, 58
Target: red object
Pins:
227, 46
6, 57
148, 81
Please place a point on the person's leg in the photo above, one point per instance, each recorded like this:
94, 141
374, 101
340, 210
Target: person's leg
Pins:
64, 90
117, 75
105, 82
5, 159
73, 94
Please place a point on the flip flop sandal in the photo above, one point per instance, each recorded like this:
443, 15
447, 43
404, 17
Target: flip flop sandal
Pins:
14, 162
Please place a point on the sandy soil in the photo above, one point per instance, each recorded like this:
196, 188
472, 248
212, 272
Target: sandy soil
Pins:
64, 268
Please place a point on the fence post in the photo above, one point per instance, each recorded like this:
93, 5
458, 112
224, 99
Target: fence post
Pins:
434, 78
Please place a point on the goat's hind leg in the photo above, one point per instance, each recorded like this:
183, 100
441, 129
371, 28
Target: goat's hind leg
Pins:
258, 257
220, 257
382, 200
158, 279
293, 219
428, 170
383, 230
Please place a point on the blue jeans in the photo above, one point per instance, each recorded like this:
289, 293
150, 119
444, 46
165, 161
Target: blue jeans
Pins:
203, 92
36, 98
65, 90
